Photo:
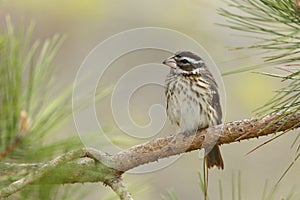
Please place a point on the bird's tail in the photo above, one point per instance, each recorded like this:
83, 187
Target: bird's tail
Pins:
214, 158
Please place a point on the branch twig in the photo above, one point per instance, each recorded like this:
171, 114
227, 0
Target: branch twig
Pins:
221, 134
109, 168
119, 188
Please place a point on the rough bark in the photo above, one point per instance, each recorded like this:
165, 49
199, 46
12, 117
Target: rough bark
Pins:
90, 165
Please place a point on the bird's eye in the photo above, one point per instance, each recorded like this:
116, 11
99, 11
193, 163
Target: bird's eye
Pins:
184, 61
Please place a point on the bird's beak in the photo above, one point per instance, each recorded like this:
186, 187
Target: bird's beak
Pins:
170, 62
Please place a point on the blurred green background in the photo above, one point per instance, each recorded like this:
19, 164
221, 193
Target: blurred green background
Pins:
87, 23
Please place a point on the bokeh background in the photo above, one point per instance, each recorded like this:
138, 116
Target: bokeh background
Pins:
87, 23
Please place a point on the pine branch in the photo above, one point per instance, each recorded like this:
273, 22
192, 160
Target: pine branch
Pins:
221, 134
23, 126
109, 168
118, 186
272, 25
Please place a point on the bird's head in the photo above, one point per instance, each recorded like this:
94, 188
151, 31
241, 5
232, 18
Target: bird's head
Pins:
185, 62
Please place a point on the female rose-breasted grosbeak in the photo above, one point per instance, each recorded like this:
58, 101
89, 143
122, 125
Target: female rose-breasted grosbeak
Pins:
193, 100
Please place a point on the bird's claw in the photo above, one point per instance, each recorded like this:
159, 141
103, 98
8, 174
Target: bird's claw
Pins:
188, 132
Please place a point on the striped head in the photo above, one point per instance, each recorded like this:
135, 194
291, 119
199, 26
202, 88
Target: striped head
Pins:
185, 62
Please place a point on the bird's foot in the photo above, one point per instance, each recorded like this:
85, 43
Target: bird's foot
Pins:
189, 132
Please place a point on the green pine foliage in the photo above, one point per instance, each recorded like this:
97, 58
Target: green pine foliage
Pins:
29, 111
275, 28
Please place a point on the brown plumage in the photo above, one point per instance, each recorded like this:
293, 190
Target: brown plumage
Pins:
193, 100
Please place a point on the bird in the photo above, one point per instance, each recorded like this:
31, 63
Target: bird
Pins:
193, 100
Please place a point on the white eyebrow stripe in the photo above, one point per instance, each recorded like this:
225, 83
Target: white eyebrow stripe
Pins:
197, 70
198, 61
191, 60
